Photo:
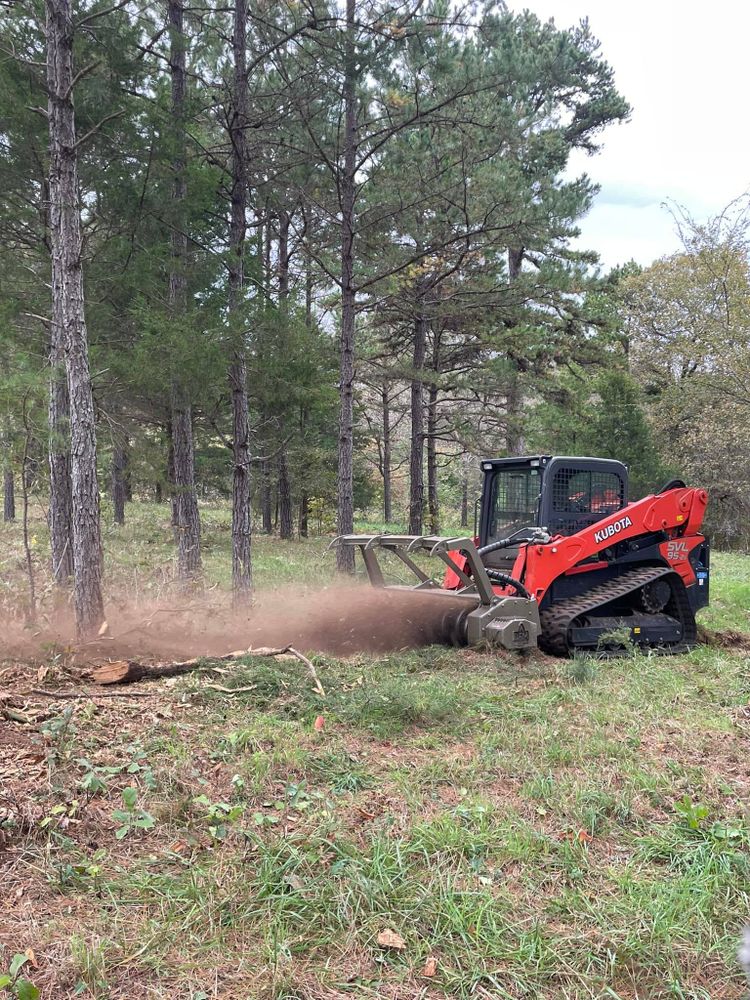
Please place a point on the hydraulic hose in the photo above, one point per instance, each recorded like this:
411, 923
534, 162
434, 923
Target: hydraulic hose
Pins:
505, 543
508, 581
504, 579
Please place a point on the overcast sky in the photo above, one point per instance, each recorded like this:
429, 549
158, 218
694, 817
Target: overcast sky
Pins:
684, 68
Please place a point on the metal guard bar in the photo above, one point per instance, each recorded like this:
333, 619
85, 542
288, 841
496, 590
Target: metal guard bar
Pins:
475, 581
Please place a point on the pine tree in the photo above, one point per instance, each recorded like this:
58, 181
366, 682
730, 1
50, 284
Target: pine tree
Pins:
185, 516
69, 314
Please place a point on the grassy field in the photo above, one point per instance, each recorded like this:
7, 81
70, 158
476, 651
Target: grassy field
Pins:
441, 823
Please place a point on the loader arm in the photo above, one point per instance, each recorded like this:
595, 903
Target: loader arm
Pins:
677, 514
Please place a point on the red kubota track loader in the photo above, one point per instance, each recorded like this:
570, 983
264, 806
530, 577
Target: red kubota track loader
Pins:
561, 559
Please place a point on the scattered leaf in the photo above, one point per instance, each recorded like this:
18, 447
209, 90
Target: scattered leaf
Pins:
25, 990
430, 966
129, 796
103, 629
16, 964
390, 939
319, 724
29, 953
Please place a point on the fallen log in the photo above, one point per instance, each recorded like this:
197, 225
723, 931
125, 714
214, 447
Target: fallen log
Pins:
132, 671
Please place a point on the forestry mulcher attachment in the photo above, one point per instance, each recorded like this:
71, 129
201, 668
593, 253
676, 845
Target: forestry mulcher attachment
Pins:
562, 560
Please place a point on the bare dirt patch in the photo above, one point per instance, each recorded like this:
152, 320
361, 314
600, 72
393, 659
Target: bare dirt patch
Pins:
729, 639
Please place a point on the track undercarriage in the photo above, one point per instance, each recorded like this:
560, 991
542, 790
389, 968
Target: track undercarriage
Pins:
617, 612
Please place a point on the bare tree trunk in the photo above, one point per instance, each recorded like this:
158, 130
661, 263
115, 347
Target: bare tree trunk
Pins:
267, 240
283, 263
25, 497
58, 452
185, 502
386, 455
286, 516
515, 441
65, 228
308, 294
433, 506
119, 467
170, 468
58, 418
345, 505
185, 516
465, 501
265, 499
302, 474
416, 455
242, 569
127, 478
286, 512
9, 500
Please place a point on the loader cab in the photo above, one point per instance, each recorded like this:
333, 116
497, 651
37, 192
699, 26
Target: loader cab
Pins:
561, 493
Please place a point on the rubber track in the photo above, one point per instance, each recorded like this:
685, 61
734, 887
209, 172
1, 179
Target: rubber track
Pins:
557, 620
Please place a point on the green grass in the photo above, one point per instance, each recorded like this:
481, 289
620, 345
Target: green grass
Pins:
730, 593
541, 828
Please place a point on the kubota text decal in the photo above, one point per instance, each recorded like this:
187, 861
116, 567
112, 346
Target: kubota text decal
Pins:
612, 529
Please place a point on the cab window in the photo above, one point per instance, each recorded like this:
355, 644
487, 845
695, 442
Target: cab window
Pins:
514, 501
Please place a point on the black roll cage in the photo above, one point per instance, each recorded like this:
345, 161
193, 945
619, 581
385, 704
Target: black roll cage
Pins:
548, 465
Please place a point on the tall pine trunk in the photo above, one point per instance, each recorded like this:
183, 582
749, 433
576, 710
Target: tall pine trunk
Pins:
387, 453
119, 472
286, 513
465, 501
416, 452
185, 516
515, 440
9, 498
127, 478
68, 309
242, 569
58, 416
266, 500
345, 485
433, 506
304, 516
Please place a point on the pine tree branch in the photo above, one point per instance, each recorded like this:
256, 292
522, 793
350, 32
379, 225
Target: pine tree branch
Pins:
94, 15
79, 76
97, 128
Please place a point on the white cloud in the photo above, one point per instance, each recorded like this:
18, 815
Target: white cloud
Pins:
682, 65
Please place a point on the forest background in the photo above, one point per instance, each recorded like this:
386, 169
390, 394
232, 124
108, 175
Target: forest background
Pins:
317, 261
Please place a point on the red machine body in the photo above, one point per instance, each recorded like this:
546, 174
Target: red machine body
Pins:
643, 565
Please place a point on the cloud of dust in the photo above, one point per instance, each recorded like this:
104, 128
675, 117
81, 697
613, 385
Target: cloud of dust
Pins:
341, 619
